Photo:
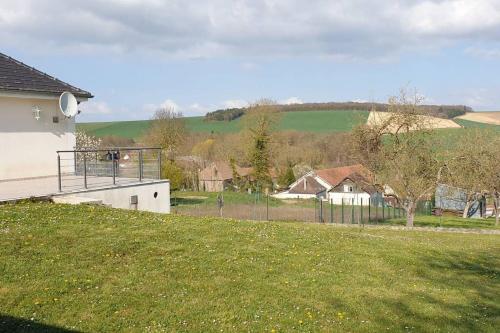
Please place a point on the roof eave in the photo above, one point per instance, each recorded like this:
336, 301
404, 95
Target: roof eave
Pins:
41, 94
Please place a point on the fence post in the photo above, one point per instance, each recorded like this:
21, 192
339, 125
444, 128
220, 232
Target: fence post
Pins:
321, 211
113, 168
315, 209
362, 222
376, 213
331, 210
267, 207
59, 172
369, 210
342, 210
352, 211
85, 170
383, 211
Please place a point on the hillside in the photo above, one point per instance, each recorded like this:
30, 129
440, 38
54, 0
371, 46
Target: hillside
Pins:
440, 111
96, 269
303, 121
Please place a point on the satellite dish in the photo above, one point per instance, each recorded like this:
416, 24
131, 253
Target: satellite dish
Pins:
68, 104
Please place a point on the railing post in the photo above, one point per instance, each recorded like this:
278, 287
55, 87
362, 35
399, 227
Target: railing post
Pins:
75, 162
113, 167
85, 170
140, 165
159, 164
59, 172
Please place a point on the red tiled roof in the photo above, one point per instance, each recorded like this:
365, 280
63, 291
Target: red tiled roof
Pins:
335, 175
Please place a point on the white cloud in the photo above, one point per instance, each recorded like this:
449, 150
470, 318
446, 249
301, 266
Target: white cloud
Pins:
344, 29
170, 104
291, 100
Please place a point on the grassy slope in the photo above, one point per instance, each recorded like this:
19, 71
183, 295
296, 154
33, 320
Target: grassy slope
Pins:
307, 121
98, 269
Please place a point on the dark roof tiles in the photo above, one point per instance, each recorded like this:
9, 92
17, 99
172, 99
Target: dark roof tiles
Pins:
17, 76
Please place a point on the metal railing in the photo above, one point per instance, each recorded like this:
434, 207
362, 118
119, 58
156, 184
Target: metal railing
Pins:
90, 168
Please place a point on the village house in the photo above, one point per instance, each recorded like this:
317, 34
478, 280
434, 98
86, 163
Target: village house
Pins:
32, 128
349, 184
218, 176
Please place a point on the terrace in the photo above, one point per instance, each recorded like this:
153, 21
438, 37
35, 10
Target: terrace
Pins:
89, 170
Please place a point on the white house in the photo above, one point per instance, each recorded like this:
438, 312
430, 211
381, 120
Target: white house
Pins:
38, 157
32, 128
349, 184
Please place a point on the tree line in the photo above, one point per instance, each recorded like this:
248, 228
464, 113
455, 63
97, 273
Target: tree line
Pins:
441, 111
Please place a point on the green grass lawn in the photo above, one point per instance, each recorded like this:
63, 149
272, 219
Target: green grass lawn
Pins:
446, 222
103, 270
304, 121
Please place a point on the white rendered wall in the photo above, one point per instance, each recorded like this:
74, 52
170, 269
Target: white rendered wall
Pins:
28, 146
337, 197
119, 197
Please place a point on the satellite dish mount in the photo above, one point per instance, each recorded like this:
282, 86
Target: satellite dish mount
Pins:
68, 104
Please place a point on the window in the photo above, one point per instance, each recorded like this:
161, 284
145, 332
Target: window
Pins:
348, 188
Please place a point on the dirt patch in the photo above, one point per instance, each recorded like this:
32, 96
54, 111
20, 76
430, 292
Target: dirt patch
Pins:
199, 197
431, 122
492, 117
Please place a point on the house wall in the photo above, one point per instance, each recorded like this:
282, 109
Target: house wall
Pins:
212, 185
337, 195
28, 146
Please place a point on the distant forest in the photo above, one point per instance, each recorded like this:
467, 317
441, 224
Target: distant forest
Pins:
441, 111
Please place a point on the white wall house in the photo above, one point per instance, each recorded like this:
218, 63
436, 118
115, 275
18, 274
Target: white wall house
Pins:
28, 145
349, 184
38, 157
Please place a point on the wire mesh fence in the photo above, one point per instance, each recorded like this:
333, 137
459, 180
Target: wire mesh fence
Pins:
261, 207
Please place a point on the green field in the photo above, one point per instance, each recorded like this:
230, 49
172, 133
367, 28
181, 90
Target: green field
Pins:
303, 121
97, 269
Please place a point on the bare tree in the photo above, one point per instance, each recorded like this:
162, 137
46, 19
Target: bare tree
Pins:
168, 131
401, 151
473, 164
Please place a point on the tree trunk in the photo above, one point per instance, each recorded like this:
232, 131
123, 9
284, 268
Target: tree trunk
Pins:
410, 214
497, 210
466, 209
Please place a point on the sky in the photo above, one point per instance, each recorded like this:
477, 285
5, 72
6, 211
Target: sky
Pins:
135, 56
